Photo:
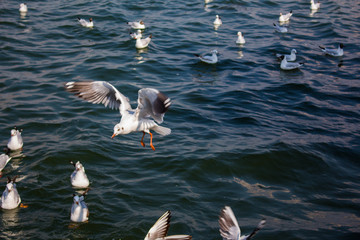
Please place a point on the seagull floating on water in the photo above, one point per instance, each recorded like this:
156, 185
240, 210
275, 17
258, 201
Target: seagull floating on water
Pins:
285, 17
79, 210
23, 8
10, 198
281, 29
314, 6
217, 21
210, 59
285, 65
289, 58
78, 177
85, 23
160, 229
137, 34
142, 42
334, 52
240, 39
136, 25
151, 103
15, 141
4, 159
229, 227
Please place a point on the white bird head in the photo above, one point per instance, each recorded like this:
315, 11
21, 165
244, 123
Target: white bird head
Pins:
293, 51
239, 33
214, 51
121, 128
79, 166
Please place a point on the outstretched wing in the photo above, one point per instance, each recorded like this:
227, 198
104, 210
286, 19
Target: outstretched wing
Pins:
152, 103
160, 228
229, 227
99, 92
259, 226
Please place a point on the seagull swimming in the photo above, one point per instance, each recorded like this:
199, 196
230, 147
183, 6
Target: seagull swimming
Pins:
314, 6
334, 52
142, 42
285, 65
10, 198
136, 25
79, 210
23, 8
136, 35
289, 58
151, 103
229, 227
281, 29
217, 20
210, 59
15, 141
240, 39
78, 177
285, 17
4, 159
159, 230
85, 23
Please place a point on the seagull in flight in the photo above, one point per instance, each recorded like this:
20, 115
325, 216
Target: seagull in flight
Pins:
151, 104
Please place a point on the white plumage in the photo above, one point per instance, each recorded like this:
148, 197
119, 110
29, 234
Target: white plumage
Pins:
85, 23
217, 20
281, 29
79, 178
313, 5
10, 198
210, 59
4, 159
240, 39
285, 17
15, 142
338, 52
285, 65
79, 209
142, 42
136, 25
290, 58
23, 8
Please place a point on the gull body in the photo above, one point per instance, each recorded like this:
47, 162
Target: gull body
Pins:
217, 20
240, 39
85, 23
4, 159
281, 29
210, 59
160, 229
10, 198
229, 227
15, 142
285, 17
285, 65
23, 8
334, 52
142, 42
313, 5
79, 178
136, 25
290, 58
79, 209
152, 105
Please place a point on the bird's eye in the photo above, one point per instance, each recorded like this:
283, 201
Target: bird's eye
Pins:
122, 128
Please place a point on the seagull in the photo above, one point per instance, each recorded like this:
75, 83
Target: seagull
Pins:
142, 42
10, 198
217, 21
136, 25
285, 17
334, 52
240, 39
78, 177
210, 59
285, 65
23, 8
136, 35
159, 230
85, 23
4, 159
281, 29
151, 103
289, 58
15, 141
229, 227
79, 210
314, 6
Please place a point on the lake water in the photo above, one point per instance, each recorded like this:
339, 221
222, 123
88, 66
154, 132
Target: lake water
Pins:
280, 145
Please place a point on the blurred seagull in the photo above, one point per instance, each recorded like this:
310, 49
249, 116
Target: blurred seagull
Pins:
136, 25
240, 39
289, 58
151, 103
78, 177
10, 198
79, 210
217, 20
23, 8
281, 29
15, 141
229, 227
334, 52
160, 229
138, 34
85, 23
285, 17
285, 65
314, 6
142, 42
4, 159
210, 59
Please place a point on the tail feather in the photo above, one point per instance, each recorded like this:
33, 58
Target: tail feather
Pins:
162, 130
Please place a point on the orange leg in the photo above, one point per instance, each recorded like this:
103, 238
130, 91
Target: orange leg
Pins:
142, 140
151, 145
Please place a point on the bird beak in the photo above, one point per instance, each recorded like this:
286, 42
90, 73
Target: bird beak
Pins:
113, 135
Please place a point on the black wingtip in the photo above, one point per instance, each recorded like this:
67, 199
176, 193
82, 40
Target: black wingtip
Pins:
162, 103
322, 47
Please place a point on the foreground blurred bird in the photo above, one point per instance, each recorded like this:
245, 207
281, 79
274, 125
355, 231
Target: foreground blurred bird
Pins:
15, 142
240, 39
159, 230
4, 159
79, 210
23, 8
334, 52
285, 17
217, 20
79, 178
10, 198
210, 59
281, 29
85, 23
151, 104
314, 6
229, 227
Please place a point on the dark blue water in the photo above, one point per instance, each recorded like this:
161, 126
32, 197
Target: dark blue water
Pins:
269, 143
